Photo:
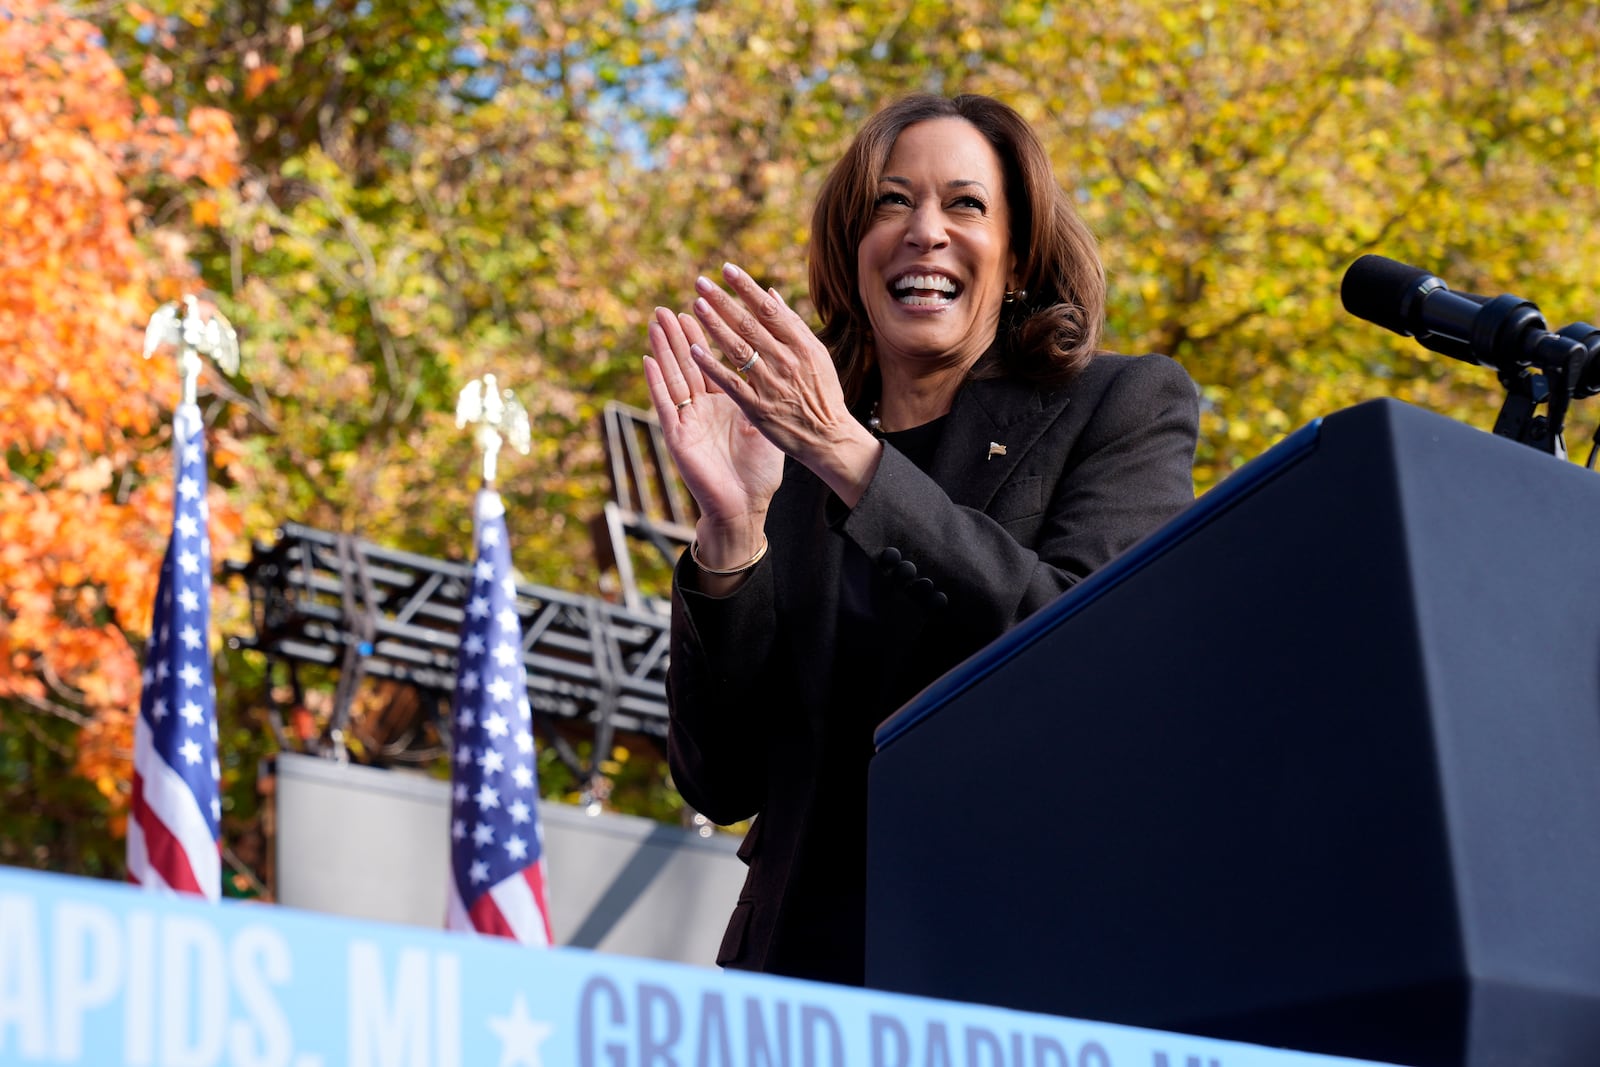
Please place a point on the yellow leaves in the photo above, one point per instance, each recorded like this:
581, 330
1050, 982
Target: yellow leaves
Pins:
205, 211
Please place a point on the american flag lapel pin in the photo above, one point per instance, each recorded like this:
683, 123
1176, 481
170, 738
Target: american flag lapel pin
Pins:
996, 449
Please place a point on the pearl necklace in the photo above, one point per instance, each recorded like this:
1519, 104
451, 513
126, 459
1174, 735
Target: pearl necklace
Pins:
874, 423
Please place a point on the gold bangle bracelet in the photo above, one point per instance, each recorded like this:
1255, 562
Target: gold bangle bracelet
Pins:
694, 554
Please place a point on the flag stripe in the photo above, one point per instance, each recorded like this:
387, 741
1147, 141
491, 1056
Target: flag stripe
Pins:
167, 815
518, 898
488, 919
168, 802
139, 870
167, 864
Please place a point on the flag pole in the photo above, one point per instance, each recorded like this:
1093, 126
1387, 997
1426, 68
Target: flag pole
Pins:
174, 823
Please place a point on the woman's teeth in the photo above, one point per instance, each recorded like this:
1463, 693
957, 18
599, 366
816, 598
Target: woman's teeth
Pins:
924, 290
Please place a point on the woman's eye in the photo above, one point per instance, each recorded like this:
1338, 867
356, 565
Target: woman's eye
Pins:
971, 202
885, 199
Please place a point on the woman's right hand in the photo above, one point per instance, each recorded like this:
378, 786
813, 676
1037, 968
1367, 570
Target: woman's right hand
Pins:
727, 465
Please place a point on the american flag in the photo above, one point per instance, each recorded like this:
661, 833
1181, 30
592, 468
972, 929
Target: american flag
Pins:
497, 883
172, 828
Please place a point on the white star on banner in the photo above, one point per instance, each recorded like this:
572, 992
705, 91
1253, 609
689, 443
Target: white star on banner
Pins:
520, 1036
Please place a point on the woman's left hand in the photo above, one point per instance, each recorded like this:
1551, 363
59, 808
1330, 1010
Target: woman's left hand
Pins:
784, 381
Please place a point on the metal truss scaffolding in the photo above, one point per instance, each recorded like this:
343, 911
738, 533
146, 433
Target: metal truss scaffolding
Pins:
340, 602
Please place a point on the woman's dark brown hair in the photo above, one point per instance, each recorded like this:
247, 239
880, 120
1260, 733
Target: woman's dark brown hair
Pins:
1048, 335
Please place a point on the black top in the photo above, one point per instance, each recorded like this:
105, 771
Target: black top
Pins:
825, 936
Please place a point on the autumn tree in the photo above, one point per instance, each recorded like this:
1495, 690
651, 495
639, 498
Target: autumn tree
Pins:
85, 501
430, 192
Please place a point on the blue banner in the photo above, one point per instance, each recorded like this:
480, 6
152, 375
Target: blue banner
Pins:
100, 974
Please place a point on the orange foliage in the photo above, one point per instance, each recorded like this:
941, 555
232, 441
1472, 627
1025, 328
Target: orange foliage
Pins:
86, 495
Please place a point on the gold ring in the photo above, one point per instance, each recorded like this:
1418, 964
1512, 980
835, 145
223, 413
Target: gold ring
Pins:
755, 357
684, 403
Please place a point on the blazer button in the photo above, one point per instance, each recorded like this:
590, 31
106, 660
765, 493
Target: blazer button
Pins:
904, 571
888, 558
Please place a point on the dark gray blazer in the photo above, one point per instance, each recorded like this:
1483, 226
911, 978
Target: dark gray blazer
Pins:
1028, 492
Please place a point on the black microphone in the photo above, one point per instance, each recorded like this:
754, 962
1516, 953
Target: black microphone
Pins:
1502, 332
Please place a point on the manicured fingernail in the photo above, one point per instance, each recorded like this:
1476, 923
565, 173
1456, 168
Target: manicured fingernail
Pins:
701, 307
777, 296
730, 272
696, 350
704, 284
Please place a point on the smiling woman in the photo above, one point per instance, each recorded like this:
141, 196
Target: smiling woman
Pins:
880, 498
935, 265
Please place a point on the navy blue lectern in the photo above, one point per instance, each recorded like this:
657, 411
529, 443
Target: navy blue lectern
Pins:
1315, 765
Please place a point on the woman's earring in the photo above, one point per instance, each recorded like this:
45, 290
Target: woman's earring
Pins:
1015, 295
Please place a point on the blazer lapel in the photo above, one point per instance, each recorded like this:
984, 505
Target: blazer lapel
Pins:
993, 424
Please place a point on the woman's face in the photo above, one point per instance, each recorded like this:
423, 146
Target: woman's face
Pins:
936, 259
